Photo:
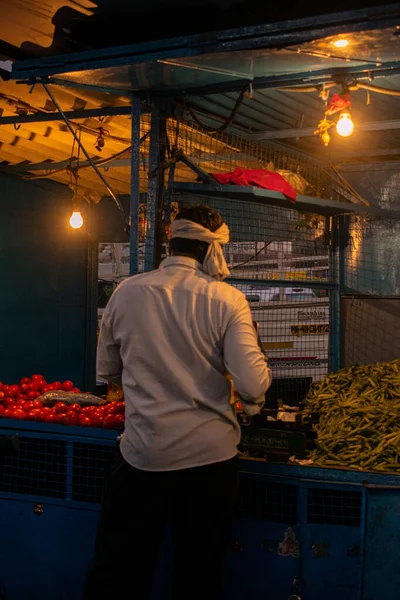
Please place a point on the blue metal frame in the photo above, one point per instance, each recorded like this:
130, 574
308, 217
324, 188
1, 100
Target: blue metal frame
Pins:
152, 190
90, 113
135, 189
286, 283
334, 300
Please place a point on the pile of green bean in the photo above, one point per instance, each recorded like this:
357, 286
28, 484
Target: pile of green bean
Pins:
358, 418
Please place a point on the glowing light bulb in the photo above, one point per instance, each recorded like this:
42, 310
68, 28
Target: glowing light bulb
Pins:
341, 43
345, 125
76, 220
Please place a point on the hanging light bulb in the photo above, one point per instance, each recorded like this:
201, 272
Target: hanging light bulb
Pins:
76, 220
345, 125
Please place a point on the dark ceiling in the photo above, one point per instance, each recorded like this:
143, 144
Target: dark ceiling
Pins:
30, 28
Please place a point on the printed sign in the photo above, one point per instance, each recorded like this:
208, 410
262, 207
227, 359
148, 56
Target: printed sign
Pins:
299, 330
282, 363
311, 314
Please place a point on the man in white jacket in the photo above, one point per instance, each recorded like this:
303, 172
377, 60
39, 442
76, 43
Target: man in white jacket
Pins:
170, 336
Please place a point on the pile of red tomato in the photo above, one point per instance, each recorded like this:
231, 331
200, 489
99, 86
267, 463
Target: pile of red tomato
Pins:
22, 402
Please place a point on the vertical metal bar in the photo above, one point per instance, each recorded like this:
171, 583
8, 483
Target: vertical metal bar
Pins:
69, 469
135, 189
152, 190
334, 298
363, 528
92, 272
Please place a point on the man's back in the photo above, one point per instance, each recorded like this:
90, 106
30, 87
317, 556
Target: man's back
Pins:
168, 327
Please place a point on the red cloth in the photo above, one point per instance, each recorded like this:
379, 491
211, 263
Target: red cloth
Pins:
338, 103
260, 178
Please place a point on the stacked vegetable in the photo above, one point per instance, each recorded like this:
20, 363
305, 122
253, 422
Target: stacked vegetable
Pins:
357, 411
33, 399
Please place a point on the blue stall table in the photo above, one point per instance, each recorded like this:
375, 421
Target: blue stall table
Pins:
302, 531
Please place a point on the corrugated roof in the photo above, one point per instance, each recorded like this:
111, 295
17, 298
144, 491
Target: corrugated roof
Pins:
265, 109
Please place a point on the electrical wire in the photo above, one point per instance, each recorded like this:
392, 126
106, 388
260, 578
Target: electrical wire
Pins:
85, 165
227, 122
251, 257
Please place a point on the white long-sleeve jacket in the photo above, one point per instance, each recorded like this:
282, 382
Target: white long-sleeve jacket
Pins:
170, 336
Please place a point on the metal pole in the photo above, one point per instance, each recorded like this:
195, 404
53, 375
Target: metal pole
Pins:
152, 190
135, 189
82, 147
334, 298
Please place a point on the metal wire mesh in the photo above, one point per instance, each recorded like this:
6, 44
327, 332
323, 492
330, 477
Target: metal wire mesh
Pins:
38, 468
223, 152
267, 501
371, 260
333, 507
270, 243
90, 465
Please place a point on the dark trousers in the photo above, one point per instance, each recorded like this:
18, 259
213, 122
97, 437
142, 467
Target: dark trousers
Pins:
135, 512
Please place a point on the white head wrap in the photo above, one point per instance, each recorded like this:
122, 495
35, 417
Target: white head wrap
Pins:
214, 263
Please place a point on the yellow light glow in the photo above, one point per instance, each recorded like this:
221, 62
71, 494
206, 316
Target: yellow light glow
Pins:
341, 43
345, 125
76, 220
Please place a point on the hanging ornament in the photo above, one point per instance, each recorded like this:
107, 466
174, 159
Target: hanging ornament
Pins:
322, 131
338, 103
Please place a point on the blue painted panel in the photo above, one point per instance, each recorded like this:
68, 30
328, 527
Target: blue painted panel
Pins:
45, 557
255, 569
332, 561
43, 283
381, 567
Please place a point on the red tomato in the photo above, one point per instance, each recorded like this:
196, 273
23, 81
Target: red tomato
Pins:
56, 385
13, 391
7, 413
86, 410
38, 394
1, 386
59, 418
20, 403
35, 415
76, 391
17, 413
97, 418
121, 408
48, 416
22, 397
24, 381
36, 385
50, 387
68, 386
31, 395
24, 387
6, 389
84, 421
46, 410
37, 378
2, 411
9, 402
61, 408
46, 388
113, 421
28, 406
111, 408
37, 404
71, 418
2, 395
75, 408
